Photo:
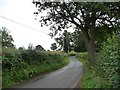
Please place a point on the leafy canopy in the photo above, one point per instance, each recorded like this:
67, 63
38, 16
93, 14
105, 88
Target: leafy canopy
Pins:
80, 15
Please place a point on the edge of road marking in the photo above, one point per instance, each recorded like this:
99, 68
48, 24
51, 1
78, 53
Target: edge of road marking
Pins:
78, 81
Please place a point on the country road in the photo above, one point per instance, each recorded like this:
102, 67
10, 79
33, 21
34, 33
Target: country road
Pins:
66, 77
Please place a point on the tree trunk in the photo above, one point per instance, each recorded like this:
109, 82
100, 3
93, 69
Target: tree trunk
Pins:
91, 50
89, 38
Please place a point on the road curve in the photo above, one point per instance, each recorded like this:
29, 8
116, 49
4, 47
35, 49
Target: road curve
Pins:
66, 77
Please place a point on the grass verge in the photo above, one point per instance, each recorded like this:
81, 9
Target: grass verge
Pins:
90, 79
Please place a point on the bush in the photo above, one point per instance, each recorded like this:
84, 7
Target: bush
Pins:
72, 53
20, 65
11, 58
107, 62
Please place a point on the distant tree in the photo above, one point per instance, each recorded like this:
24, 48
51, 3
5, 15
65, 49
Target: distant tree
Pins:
71, 41
39, 47
78, 42
59, 41
7, 40
30, 46
53, 46
64, 41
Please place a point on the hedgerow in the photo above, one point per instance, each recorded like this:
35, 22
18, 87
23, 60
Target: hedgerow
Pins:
106, 71
19, 65
107, 62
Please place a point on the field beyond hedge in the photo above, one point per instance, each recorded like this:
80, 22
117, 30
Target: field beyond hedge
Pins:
20, 65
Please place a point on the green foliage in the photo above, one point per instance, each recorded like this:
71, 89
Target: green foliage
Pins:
80, 16
32, 55
7, 40
78, 42
107, 62
87, 80
64, 41
19, 65
71, 41
100, 38
90, 78
72, 53
82, 56
30, 46
105, 72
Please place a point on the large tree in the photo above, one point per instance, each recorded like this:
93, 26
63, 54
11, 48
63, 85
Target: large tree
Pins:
82, 16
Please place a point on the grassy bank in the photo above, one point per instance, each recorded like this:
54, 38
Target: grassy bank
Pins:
90, 77
22, 65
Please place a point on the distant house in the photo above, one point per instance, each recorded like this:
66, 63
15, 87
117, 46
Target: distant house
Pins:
39, 47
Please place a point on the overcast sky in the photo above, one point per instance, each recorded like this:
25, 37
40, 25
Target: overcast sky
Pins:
22, 11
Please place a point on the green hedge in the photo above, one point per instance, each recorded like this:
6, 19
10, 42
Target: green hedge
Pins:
107, 62
82, 55
19, 65
72, 53
105, 72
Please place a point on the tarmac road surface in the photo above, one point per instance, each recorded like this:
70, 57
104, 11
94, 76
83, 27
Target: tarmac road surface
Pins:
66, 77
